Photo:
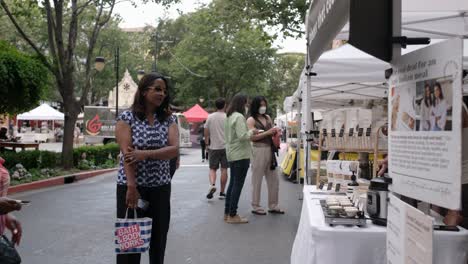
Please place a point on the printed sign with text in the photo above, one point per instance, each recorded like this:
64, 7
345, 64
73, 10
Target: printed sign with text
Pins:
425, 154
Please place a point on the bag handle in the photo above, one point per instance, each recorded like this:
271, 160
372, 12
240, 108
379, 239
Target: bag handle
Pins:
134, 213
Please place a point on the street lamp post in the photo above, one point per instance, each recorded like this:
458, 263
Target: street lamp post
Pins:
155, 50
99, 64
116, 66
140, 74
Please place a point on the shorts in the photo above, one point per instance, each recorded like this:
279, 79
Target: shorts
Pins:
216, 157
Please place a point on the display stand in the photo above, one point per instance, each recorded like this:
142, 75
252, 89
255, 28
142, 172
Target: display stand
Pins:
375, 151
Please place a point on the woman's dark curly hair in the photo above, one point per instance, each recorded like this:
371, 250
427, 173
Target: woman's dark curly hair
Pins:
138, 107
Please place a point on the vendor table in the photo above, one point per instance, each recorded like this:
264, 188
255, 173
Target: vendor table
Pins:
316, 242
15, 145
36, 137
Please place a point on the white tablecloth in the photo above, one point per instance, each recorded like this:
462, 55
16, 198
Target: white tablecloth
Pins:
318, 243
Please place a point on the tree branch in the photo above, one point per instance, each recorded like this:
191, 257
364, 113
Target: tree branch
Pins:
72, 34
293, 30
80, 9
51, 39
104, 22
58, 7
42, 57
91, 44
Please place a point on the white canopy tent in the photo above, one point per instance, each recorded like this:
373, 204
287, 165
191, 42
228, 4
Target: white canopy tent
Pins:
347, 74
42, 112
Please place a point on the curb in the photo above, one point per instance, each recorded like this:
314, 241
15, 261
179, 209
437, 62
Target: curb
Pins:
59, 180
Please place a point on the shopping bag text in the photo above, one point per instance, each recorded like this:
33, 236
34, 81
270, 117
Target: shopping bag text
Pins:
129, 237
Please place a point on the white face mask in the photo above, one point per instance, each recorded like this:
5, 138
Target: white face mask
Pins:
262, 110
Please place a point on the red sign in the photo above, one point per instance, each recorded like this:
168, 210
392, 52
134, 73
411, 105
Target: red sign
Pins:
93, 126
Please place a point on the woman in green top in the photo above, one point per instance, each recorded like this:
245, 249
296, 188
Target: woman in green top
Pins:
238, 154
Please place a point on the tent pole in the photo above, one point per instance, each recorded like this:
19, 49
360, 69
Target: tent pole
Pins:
396, 25
433, 32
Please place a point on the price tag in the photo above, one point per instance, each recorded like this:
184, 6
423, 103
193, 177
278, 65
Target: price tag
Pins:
321, 186
337, 187
341, 132
368, 132
360, 132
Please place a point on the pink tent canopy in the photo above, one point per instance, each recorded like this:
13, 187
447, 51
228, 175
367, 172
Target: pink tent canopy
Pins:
196, 114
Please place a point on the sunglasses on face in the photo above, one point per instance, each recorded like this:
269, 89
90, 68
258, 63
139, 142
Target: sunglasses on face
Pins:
158, 89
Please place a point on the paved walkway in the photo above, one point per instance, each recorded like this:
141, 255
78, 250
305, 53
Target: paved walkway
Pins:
73, 224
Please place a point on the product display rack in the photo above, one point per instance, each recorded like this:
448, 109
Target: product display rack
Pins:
375, 150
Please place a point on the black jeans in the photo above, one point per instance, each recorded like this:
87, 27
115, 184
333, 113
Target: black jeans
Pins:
239, 170
203, 149
159, 210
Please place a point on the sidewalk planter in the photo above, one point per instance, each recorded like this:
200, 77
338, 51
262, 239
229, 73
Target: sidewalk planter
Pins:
36, 162
55, 181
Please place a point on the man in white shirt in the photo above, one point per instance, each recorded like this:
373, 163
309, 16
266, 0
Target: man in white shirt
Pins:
214, 137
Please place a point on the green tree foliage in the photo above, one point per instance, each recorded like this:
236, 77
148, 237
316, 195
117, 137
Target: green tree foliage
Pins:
64, 20
219, 57
284, 77
289, 15
23, 79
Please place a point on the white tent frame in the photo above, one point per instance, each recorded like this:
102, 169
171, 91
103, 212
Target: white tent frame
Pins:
32, 115
405, 26
436, 11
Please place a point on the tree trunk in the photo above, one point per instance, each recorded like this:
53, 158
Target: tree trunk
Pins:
71, 111
67, 146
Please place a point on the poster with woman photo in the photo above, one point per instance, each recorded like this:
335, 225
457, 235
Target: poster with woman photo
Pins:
435, 106
422, 106
425, 146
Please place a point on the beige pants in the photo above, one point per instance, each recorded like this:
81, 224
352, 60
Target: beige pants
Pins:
261, 161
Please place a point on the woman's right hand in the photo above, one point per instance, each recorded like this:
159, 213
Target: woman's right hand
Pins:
272, 131
8, 205
132, 197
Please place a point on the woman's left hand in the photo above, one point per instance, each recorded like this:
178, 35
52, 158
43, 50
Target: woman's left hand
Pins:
15, 227
453, 218
134, 155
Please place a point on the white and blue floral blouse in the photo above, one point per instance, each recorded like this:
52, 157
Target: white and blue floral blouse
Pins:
150, 172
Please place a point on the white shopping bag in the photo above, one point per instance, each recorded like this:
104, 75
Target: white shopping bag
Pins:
132, 235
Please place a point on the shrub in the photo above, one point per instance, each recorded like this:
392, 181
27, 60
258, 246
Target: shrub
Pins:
98, 154
86, 165
29, 159
49, 159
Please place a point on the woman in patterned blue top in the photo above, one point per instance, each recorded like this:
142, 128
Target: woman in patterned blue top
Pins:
147, 135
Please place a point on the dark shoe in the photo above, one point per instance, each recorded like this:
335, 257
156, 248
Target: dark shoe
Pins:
276, 211
222, 196
210, 192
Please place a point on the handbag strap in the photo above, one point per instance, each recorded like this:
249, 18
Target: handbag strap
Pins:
261, 125
134, 213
